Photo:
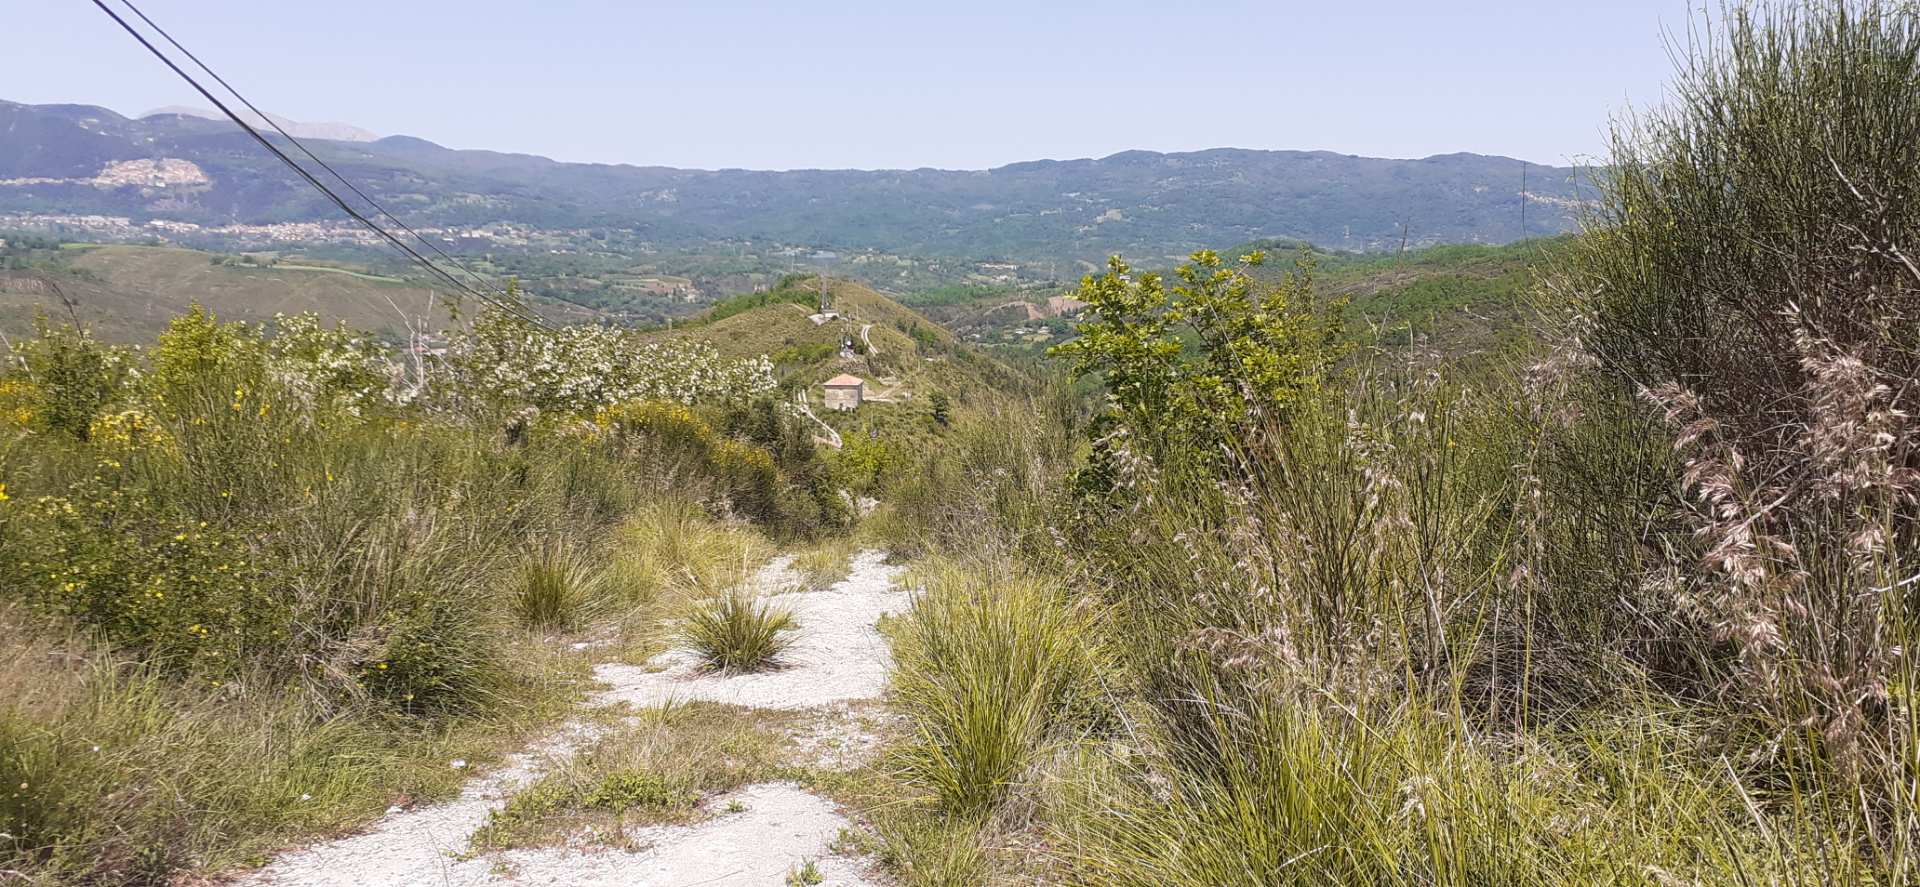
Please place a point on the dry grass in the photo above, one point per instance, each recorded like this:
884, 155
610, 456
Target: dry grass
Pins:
826, 562
116, 774
655, 770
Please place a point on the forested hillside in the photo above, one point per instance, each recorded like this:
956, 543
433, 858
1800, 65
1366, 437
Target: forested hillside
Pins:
74, 159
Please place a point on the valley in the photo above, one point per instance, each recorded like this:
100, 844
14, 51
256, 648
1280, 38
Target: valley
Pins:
1197, 517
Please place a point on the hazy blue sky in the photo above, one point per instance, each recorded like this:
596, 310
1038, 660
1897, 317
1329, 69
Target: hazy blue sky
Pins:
884, 84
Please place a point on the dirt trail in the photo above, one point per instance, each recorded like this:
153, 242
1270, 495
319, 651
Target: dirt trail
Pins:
753, 836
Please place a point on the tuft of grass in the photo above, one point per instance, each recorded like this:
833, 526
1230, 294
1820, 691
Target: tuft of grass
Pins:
738, 632
805, 874
925, 850
826, 562
991, 671
554, 590
670, 551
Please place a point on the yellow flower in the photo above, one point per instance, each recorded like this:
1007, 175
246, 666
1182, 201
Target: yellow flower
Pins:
3, 493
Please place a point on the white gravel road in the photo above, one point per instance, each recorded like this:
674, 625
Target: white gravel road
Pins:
838, 658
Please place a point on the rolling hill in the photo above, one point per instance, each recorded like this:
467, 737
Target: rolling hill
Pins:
903, 356
129, 293
78, 159
1463, 299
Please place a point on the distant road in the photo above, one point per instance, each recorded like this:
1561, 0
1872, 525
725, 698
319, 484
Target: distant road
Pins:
833, 437
362, 276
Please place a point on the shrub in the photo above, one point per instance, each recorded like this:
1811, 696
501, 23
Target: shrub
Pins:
671, 549
503, 364
193, 598
1749, 276
737, 632
1259, 350
73, 377
751, 481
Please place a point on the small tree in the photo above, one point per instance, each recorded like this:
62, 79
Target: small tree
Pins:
1193, 371
942, 408
76, 375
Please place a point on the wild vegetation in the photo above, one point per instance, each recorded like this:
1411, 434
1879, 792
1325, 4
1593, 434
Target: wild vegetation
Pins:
1588, 560
260, 582
1631, 606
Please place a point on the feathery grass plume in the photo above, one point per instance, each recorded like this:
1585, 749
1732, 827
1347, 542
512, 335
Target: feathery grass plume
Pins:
738, 631
1752, 273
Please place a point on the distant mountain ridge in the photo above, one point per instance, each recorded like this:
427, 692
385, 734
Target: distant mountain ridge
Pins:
54, 159
339, 132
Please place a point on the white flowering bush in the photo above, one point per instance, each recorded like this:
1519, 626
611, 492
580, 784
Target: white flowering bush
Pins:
337, 365
578, 369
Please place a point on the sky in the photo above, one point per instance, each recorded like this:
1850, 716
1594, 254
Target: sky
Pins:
973, 85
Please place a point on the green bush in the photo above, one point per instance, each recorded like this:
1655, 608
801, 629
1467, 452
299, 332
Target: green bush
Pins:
191, 597
75, 376
1750, 278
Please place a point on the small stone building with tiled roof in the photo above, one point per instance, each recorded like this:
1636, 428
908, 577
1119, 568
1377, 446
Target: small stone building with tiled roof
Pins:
845, 392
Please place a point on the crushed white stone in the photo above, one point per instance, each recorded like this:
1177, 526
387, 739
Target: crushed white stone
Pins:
418, 846
838, 657
782, 828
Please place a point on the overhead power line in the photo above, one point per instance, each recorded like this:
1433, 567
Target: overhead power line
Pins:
310, 155
496, 299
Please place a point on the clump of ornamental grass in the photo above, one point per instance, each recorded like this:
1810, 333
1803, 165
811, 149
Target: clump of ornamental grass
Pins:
554, 589
992, 671
738, 632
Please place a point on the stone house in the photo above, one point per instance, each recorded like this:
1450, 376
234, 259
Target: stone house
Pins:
845, 392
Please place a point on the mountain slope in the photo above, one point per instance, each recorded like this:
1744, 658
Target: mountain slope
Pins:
339, 132
1139, 203
130, 293
904, 357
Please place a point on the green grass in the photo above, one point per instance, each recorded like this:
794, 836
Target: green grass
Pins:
555, 590
743, 303
738, 632
992, 672
116, 773
823, 564
274, 615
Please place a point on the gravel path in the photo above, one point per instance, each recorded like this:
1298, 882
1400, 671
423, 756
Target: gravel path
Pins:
839, 655
839, 658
